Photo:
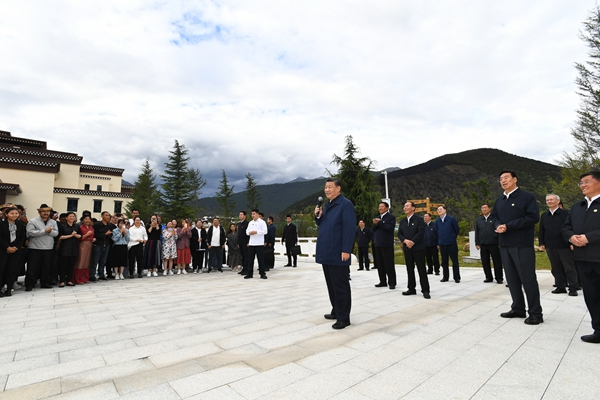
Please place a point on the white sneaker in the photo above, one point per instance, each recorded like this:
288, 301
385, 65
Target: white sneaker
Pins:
178, 272
149, 274
154, 273
197, 270
184, 272
16, 286
121, 276
171, 273
165, 272
117, 277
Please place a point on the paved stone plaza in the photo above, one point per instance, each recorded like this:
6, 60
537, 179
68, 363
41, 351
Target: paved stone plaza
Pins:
218, 336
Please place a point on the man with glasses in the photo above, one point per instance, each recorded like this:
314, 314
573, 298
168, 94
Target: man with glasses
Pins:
582, 230
515, 214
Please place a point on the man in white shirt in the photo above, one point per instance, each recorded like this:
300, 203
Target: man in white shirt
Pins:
215, 238
257, 229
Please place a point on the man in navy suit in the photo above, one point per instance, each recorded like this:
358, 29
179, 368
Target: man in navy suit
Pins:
515, 214
364, 236
447, 230
411, 233
383, 238
431, 249
582, 230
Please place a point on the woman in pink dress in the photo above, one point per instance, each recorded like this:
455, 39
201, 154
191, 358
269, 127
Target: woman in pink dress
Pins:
184, 255
81, 272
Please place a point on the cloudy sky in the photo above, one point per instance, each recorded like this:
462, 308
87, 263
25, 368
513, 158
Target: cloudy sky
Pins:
272, 87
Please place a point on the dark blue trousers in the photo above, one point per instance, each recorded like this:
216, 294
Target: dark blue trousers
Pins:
338, 286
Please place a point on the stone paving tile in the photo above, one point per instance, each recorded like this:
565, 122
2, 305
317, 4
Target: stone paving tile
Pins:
103, 374
261, 384
161, 360
102, 391
160, 392
53, 348
221, 393
40, 390
278, 357
146, 380
204, 381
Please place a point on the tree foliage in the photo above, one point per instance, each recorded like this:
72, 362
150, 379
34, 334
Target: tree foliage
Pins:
358, 182
177, 190
145, 193
197, 182
467, 207
253, 197
226, 203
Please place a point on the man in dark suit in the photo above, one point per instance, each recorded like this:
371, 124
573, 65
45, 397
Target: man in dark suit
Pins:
243, 239
557, 247
383, 237
270, 244
364, 236
515, 214
197, 246
486, 241
215, 240
290, 238
431, 249
447, 230
411, 232
582, 230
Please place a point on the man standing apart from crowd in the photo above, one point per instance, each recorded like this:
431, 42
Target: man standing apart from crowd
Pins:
557, 247
290, 237
336, 222
270, 244
41, 232
515, 214
582, 230
431, 249
447, 230
486, 241
257, 229
364, 236
243, 241
411, 232
383, 237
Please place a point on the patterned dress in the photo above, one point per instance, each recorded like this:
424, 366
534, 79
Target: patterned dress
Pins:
169, 245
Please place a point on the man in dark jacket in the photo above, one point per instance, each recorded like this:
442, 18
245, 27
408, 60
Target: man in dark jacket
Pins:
290, 238
447, 230
515, 214
558, 249
411, 232
364, 236
270, 244
383, 238
336, 222
198, 246
486, 241
243, 239
582, 230
215, 241
431, 249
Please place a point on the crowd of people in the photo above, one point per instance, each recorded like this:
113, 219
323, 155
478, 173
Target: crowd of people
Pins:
61, 250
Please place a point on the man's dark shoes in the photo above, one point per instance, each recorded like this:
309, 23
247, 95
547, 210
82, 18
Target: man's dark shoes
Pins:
488, 281
248, 277
263, 277
381, 285
559, 290
427, 295
500, 282
409, 293
330, 316
287, 265
457, 280
392, 287
444, 280
513, 314
360, 269
340, 325
533, 320
28, 289
47, 287
593, 338
573, 292
430, 272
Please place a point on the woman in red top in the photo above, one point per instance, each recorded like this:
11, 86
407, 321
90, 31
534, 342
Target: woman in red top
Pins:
184, 255
81, 272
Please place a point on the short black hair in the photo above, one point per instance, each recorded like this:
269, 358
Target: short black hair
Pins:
270, 218
335, 181
256, 211
508, 171
485, 204
412, 204
385, 204
594, 174
243, 212
288, 216
443, 206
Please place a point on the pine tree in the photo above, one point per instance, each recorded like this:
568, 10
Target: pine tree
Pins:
358, 182
145, 193
177, 191
252, 195
224, 196
197, 182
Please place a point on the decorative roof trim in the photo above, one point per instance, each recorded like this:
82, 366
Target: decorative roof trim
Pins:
101, 169
95, 193
13, 187
68, 157
102, 178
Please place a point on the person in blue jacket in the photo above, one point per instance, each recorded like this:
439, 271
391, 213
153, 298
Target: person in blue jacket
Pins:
447, 230
336, 222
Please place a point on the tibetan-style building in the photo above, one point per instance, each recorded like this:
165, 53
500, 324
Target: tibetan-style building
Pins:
31, 175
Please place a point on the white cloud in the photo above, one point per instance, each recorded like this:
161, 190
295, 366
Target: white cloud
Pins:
273, 87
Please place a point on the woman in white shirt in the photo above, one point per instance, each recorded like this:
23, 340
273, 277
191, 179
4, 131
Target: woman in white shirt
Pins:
137, 238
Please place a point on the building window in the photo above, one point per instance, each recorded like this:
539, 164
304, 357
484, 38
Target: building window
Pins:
118, 206
99, 188
86, 186
97, 206
72, 205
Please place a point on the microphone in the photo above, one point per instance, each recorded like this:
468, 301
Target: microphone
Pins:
320, 201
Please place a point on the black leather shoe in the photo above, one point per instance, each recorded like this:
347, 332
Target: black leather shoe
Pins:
573, 292
288, 265
437, 273
513, 314
330, 316
534, 320
429, 272
360, 269
8, 293
488, 281
409, 293
340, 325
444, 280
263, 277
593, 338
426, 295
47, 287
28, 289
248, 277
500, 282
457, 280
392, 287
381, 285
559, 290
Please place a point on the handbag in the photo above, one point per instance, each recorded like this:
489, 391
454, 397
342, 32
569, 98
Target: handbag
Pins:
296, 250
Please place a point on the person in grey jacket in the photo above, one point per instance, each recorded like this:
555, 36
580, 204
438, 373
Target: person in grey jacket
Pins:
41, 232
